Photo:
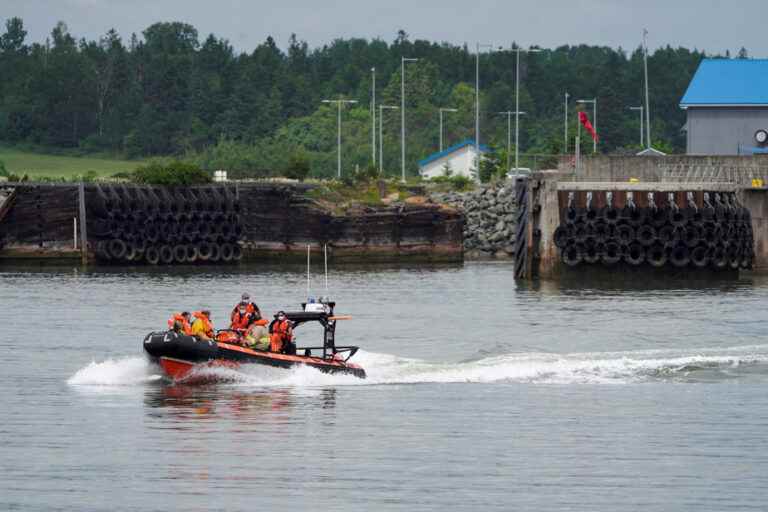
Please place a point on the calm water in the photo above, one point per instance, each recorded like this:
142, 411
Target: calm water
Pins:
482, 395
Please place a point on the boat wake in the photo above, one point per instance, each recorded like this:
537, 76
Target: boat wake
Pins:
692, 365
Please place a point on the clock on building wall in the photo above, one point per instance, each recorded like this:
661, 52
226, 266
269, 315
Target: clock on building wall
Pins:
761, 136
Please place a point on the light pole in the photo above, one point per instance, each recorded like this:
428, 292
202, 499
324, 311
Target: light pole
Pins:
647, 100
477, 106
593, 101
509, 115
373, 116
339, 103
403, 60
640, 108
565, 111
517, 100
381, 135
441, 123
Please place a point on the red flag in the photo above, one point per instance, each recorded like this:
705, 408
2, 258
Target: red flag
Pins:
588, 126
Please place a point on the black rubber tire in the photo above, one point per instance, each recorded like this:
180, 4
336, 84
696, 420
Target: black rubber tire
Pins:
102, 250
734, 260
634, 216
666, 235
226, 253
117, 249
709, 235
678, 217
658, 217
215, 253
561, 236
592, 253
700, 256
691, 236
612, 253
571, 215
152, 255
602, 231
237, 252
634, 254
151, 233
166, 254
646, 235
611, 215
592, 215
656, 255
204, 251
140, 246
192, 254
180, 253
719, 257
571, 255
130, 253
580, 233
680, 255
625, 234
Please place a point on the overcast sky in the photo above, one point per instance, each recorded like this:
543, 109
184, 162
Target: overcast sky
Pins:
712, 25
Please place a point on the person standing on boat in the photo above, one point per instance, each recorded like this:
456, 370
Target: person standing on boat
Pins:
179, 322
281, 339
202, 326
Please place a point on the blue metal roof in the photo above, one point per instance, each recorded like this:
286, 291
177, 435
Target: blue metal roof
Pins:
726, 82
448, 151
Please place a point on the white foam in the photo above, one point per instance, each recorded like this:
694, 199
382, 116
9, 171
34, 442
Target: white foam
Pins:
126, 371
545, 368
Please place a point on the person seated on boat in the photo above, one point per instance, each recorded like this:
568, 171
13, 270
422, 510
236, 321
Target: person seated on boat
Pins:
202, 326
281, 335
241, 318
250, 307
179, 323
257, 334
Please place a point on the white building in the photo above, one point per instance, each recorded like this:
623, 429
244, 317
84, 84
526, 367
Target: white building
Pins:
459, 159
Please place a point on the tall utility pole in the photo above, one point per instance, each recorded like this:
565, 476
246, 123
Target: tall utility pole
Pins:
517, 102
373, 116
509, 115
593, 101
441, 123
403, 60
477, 106
647, 100
565, 112
640, 108
339, 103
381, 135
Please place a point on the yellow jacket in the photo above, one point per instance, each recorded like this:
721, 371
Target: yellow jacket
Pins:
200, 329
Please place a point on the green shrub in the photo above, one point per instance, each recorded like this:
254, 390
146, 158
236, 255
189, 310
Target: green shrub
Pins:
174, 173
298, 167
3, 170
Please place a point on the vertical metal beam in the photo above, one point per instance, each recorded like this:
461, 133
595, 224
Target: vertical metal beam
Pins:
83, 228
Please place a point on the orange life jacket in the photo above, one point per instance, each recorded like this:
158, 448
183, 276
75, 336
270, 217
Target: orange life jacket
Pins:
281, 333
186, 328
206, 321
240, 321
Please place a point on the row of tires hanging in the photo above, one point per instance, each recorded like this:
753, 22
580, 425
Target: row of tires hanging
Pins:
160, 225
717, 235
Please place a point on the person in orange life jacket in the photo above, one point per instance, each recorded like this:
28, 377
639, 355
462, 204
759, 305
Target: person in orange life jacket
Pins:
241, 317
249, 306
202, 326
281, 331
179, 322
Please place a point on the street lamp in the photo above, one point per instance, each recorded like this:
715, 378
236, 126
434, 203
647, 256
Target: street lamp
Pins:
517, 100
403, 60
441, 123
647, 100
477, 106
373, 116
381, 135
509, 115
640, 108
565, 111
593, 101
339, 103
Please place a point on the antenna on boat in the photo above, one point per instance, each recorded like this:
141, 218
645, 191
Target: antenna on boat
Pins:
325, 257
307, 271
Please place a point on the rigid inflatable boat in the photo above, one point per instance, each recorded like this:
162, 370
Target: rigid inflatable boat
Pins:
179, 355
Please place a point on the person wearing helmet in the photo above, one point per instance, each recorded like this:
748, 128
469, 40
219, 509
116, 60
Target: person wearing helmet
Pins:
202, 326
281, 335
250, 307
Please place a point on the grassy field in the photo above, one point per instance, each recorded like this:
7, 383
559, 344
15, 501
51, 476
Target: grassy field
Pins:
36, 164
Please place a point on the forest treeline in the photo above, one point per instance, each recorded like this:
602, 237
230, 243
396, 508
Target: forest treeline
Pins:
171, 92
